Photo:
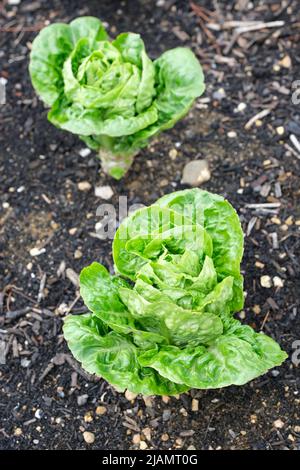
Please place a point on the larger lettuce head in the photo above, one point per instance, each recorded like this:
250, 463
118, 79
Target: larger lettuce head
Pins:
111, 93
170, 326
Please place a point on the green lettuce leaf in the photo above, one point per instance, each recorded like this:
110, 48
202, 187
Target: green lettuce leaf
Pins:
221, 222
113, 357
229, 360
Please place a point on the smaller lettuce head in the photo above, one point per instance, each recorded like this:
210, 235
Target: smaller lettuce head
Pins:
111, 93
170, 326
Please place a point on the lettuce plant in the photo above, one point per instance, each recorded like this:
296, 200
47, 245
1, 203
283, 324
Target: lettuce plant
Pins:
111, 93
170, 326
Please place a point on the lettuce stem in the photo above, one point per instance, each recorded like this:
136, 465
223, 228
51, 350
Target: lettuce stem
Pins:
115, 165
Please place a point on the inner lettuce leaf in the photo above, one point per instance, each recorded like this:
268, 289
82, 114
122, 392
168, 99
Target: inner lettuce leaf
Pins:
170, 326
111, 93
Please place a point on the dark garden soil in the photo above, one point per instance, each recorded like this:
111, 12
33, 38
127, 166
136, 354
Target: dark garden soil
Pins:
46, 400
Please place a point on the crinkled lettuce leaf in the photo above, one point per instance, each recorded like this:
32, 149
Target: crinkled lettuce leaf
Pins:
114, 357
52, 47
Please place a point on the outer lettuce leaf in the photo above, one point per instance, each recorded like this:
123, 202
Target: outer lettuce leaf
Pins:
90, 28
83, 121
230, 360
52, 47
113, 357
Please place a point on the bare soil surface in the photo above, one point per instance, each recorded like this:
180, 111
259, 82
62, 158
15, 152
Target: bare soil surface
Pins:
46, 400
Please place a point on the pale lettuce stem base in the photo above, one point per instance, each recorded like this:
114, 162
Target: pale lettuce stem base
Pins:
115, 165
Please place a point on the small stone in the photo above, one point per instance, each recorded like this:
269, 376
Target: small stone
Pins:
25, 362
18, 432
183, 412
38, 414
78, 254
130, 395
280, 130
243, 433
148, 401
196, 172
275, 220
104, 192
276, 67
82, 399
242, 315
89, 437
60, 392
35, 441
173, 154
84, 186
37, 251
277, 281
165, 399
297, 429
259, 264
136, 439
73, 230
253, 419
191, 447
231, 134
147, 433
278, 423
166, 415
219, 94
101, 410
84, 152
285, 62
143, 445
240, 108
164, 182
265, 281
88, 418
289, 220
179, 442
256, 309
275, 373
195, 404
165, 437
258, 123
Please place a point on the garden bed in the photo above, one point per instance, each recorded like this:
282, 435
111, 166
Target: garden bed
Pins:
46, 399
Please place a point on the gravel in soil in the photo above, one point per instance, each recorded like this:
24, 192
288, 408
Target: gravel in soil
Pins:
247, 128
